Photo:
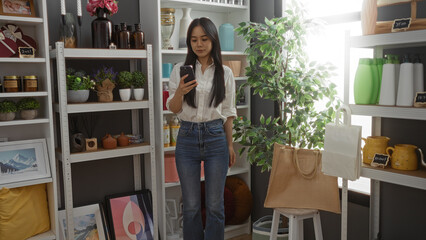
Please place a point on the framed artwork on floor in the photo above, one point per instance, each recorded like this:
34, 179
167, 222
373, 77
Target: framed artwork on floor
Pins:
23, 161
130, 216
20, 8
89, 223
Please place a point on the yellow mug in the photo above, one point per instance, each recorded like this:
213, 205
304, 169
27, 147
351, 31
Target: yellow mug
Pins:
404, 156
373, 145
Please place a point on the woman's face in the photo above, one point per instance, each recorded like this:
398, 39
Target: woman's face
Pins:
200, 43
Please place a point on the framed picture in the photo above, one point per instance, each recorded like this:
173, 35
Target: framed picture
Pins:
89, 223
130, 216
21, 8
23, 161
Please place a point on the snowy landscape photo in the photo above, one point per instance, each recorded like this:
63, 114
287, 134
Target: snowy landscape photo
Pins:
23, 161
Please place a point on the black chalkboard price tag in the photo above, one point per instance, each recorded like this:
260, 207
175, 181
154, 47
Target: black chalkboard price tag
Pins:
401, 24
380, 160
26, 52
420, 99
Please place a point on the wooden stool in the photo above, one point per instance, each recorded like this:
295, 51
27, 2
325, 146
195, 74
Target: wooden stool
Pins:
295, 228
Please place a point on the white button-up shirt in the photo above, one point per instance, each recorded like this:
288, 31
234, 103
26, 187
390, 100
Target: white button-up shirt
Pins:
204, 112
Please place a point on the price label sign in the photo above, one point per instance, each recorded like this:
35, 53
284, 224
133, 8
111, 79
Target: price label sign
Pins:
380, 160
420, 99
401, 24
26, 52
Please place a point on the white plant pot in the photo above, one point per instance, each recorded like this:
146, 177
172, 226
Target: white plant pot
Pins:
77, 96
125, 94
28, 114
138, 93
7, 116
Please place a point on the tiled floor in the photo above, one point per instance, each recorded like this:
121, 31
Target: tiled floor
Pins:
242, 237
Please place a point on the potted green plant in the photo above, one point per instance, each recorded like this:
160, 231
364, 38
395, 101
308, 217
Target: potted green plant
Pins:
28, 108
124, 82
105, 83
138, 82
8, 110
279, 70
78, 86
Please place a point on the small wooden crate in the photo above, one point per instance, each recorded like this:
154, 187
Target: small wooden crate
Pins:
386, 26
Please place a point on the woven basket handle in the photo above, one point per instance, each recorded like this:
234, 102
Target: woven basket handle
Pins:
306, 175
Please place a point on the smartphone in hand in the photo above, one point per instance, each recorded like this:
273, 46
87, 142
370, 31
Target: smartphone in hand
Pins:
187, 69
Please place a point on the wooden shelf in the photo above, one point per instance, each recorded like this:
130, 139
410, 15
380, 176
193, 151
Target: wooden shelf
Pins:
132, 149
22, 60
101, 107
415, 179
97, 53
23, 94
26, 183
390, 40
389, 111
243, 106
20, 20
199, 5
24, 122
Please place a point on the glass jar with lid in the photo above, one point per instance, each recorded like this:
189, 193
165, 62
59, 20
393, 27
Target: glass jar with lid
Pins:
12, 83
30, 83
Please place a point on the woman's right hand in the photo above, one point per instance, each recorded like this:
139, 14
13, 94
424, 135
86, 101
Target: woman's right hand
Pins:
185, 88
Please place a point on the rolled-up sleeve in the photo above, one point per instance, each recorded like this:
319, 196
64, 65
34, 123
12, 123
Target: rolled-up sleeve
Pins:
173, 83
228, 105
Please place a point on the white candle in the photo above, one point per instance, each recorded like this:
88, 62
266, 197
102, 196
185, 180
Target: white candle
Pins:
63, 7
79, 8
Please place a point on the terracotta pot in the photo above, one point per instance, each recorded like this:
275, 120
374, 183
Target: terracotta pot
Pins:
109, 142
123, 140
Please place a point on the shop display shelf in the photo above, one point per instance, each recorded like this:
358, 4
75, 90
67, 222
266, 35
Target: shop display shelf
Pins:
93, 53
101, 107
26, 183
245, 106
21, 20
24, 122
184, 51
101, 153
22, 60
389, 112
203, 6
390, 40
23, 94
49, 235
415, 179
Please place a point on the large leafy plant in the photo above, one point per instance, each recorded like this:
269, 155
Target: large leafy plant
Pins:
279, 70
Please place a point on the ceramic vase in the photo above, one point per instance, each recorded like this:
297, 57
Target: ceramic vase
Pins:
109, 142
77, 96
226, 37
183, 27
7, 116
123, 140
28, 114
125, 94
138, 93
101, 30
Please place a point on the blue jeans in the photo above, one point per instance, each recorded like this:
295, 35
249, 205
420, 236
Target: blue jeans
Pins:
206, 142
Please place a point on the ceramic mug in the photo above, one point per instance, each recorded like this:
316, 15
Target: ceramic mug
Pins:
373, 145
404, 156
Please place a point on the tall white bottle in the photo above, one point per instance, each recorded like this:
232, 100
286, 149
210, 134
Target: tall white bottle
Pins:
183, 27
405, 97
418, 76
387, 88
397, 69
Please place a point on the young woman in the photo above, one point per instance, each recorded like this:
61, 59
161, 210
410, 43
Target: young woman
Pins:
206, 108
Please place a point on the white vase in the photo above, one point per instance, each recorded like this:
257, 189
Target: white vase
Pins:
405, 96
138, 93
183, 27
125, 94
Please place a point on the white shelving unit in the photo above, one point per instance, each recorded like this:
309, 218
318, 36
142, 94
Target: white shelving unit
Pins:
42, 126
147, 148
219, 13
414, 179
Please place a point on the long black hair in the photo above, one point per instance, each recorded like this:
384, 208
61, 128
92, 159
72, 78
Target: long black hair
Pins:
218, 87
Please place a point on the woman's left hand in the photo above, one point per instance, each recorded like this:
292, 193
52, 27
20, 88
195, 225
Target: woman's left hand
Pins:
232, 157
